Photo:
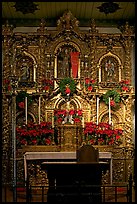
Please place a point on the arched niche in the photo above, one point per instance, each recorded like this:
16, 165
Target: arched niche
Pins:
26, 67
116, 119
62, 104
63, 66
110, 68
20, 118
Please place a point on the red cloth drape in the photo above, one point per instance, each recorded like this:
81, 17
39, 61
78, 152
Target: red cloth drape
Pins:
74, 63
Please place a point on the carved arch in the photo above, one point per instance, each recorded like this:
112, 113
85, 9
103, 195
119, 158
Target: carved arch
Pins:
62, 59
21, 115
62, 104
26, 67
117, 118
110, 67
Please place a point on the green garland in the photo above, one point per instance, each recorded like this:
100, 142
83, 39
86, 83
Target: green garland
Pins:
67, 81
114, 95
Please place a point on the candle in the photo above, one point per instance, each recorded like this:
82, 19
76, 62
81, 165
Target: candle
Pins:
34, 75
68, 105
53, 121
83, 122
26, 109
109, 112
39, 108
97, 108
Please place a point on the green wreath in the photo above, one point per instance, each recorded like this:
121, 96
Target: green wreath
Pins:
67, 82
21, 98
114, 95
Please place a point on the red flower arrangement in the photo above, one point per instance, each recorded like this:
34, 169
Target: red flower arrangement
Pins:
21, 105
124, 85
89, 84
47, 84
102, 134
34, 134
71, 116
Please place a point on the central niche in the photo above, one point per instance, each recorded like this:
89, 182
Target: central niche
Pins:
67, 61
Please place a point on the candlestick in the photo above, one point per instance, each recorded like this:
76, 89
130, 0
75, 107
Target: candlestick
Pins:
97, 108
39, 108
109, 112
26, 109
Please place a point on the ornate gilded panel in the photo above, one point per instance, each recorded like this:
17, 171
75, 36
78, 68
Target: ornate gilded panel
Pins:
118, 170
104, 57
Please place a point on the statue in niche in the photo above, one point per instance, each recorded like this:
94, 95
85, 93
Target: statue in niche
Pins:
109, 68
64, 61
24, 76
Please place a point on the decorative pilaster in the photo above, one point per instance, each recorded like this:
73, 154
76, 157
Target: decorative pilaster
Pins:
92, 37
128, 122
126, 40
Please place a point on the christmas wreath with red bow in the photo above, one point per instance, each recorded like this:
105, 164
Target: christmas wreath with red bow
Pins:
67, 86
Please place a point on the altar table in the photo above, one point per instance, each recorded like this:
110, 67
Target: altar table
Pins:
62, 156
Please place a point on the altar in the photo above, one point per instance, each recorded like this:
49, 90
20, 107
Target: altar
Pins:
62, 157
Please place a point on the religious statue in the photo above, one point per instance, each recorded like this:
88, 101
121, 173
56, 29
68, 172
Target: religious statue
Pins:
24, 72
109, 68
65, 64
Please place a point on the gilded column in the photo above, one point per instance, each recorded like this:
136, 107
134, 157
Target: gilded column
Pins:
92, 37
42, 32
128, 122
126, 40
7, 32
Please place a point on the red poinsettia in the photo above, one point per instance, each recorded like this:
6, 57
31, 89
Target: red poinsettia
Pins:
47, 84
103, 133
21, 104
76, 115
124, 85
89, 84
90, 88
46, 88
125, 88
34, 134
77, 120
